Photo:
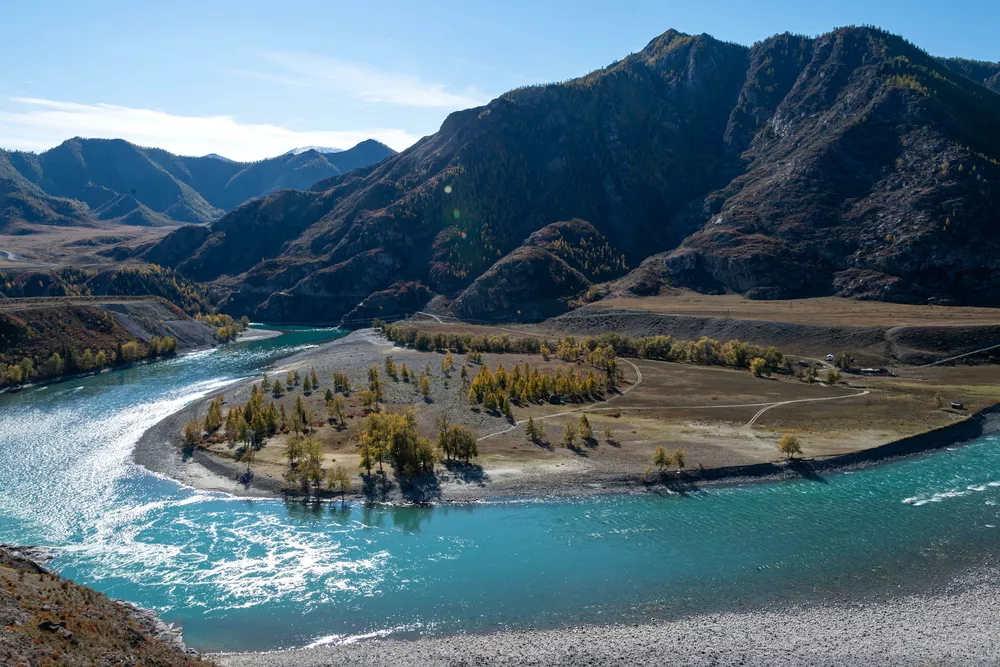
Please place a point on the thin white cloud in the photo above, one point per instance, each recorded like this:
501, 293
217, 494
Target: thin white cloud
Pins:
362, 82
39, 124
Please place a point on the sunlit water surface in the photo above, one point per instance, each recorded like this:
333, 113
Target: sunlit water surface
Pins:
262, 574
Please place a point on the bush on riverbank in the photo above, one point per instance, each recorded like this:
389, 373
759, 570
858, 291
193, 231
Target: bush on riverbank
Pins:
226, 328
392, 437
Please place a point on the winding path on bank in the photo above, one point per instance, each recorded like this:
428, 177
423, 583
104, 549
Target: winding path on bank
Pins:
960, 356
777, 404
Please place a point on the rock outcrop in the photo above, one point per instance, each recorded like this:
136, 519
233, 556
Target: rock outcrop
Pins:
528, 284
45, 619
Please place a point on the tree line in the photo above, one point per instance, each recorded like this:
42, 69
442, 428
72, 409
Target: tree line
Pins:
524, 384
69, 361
735, 353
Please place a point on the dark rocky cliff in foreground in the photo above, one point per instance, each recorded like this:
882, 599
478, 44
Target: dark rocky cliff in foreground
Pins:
852, 163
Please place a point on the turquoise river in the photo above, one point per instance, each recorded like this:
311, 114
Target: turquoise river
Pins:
242, 574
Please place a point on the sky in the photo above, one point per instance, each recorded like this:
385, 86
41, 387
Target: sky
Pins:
249, 80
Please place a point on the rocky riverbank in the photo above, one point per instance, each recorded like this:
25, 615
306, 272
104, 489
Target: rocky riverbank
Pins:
45, 619
956, 626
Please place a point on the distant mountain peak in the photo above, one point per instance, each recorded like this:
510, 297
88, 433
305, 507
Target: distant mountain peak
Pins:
104, 181
318, 149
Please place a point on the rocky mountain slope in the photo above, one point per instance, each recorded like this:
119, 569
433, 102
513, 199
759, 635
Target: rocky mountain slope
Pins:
87, 181
48, 620
537, 280
852, 163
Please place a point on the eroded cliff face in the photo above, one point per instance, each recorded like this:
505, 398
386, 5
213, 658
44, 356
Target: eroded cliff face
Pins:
851, 164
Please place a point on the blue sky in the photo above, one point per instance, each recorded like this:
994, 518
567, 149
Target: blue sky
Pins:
252, 79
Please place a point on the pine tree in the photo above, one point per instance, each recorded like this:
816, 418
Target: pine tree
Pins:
232, 423
375, 385
213, 420
293, 450
248, 456
531, 430
677, 458
585, 431
569, 434
335, 410
192, 432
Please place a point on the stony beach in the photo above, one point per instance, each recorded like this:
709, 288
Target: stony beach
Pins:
956, 626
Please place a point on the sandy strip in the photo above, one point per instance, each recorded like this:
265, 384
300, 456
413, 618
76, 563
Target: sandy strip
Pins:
257, 334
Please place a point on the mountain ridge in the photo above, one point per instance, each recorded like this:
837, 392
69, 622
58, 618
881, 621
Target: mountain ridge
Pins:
851, 163
160, 188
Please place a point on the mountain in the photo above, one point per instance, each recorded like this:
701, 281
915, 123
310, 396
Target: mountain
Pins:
852, 163
86, 181
985, 73
318, 149
23, 201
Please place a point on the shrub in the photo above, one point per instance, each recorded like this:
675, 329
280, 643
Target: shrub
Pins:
789, 446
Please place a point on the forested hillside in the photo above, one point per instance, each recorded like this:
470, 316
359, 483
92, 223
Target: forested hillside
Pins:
853, 163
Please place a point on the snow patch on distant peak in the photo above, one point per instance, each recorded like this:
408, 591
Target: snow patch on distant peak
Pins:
318, 149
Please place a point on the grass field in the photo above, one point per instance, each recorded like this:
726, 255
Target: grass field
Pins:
46, 246
832, 311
